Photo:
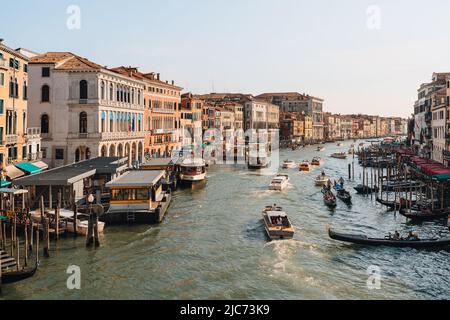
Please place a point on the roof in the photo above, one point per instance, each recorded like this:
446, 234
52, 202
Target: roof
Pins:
148, 77
159, 162
137, 179
66, 61
67, 175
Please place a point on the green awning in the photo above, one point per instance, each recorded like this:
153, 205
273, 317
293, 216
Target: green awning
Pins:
28, 168
4, 183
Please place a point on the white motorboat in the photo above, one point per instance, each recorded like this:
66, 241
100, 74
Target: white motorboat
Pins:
289, 164
279, 182
277, 224
322, 180
340, 155
317, 161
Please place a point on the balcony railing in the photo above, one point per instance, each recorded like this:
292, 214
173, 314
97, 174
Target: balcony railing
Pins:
12, 139
33, 132
122, 135
34, 156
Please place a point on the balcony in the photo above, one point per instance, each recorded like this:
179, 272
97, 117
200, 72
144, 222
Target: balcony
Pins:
34, 156
160, 110
11, 139
122, 135
33, 133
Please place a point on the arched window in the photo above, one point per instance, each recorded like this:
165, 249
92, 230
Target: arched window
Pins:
118, 94
45, 124
102, 89
77, 155
139, 98
83, 90
83, 122
45, 93
132, 96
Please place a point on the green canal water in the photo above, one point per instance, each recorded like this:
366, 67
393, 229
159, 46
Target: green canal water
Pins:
212, 245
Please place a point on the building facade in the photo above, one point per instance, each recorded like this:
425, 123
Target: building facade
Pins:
85, 110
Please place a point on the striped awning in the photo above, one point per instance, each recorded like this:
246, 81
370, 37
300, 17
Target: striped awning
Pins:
41, 164
13, 173
28, 167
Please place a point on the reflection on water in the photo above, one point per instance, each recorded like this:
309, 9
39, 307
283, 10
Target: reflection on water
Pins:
212, 245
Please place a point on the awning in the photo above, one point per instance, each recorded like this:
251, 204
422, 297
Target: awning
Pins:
41, 164
4, 183
13, 173
28, 168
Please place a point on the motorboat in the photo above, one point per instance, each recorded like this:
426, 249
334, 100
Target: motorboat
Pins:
322, 180
277, 224
340, 155
289, 164
317, 161
279, 182
320, 148
305, 166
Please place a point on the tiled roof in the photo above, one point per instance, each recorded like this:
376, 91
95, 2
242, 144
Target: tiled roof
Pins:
66, 61
135, 73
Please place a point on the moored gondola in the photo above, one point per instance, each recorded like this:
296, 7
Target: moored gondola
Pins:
365, 189
16, 276
425, 214
393, 204
364, 240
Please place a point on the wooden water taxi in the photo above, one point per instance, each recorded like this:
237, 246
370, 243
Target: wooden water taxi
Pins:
277, 224
279, 182
305, 166
137, 197
317, 161
289, 164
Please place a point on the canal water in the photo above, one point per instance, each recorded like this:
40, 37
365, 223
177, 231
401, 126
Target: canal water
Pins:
212, 245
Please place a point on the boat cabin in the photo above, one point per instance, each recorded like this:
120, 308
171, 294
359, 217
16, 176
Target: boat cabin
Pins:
137, 196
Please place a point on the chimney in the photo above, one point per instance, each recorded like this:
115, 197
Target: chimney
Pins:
1, 40
158, 76
173, 82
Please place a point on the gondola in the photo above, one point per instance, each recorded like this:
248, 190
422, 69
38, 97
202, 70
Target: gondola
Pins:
329, 199
364, 240
344, 196
365, 189
392, 204
425, 214
16, 276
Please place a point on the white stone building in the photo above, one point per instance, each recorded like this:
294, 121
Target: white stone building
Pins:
84, 110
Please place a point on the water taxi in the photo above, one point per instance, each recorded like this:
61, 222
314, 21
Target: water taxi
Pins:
317, 161
340, 155
305, 166
137, 197
289, 164
339, 144
279, 182
192, 172
277, 224
258, 162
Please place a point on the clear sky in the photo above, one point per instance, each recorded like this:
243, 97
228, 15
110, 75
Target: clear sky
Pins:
359, 59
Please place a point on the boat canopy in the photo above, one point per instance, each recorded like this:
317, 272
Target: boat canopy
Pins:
137, 179
276, 214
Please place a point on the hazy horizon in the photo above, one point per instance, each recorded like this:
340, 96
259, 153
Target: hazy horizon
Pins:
357, 57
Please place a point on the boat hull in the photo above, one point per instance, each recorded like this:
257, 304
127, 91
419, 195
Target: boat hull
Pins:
363, 240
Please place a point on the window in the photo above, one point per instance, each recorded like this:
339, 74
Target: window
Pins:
44, 153
1, 106
25, 90
45, 72
45, 93
45, 124
83, 90
83, 122
2, 79
25, 68
111, 92
103, 90
13, 63
59, 154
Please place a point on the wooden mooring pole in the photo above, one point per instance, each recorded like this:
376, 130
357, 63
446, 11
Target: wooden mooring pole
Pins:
45, 231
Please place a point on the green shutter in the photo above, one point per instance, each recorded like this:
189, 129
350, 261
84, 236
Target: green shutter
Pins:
1, 106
